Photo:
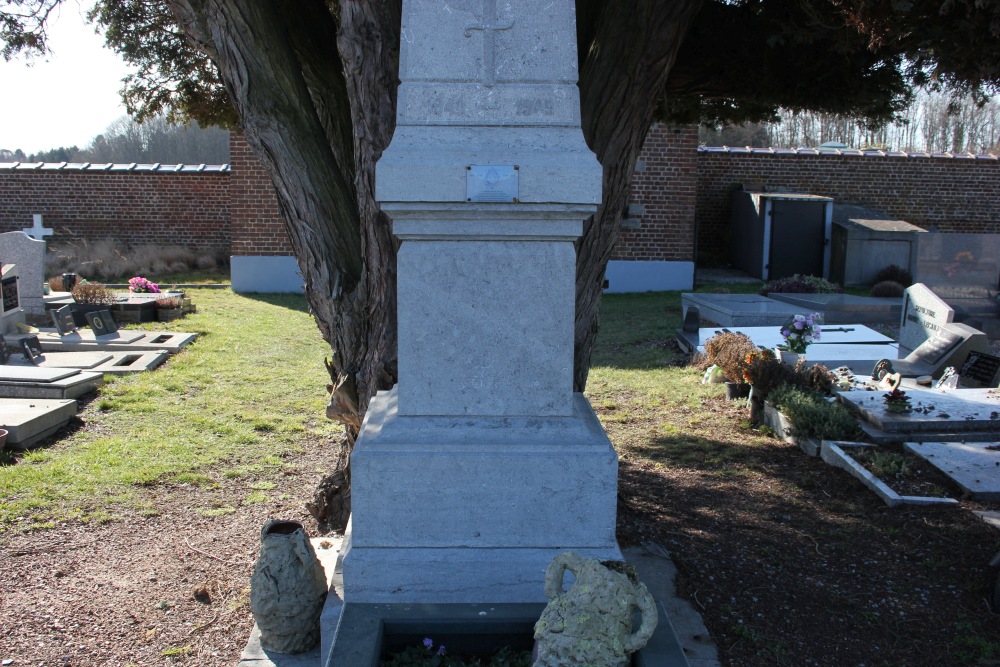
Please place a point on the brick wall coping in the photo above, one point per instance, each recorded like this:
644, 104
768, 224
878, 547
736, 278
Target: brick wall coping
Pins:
848, 152
87, 166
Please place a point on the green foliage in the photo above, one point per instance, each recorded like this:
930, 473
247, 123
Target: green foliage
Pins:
887, 288
896, 274
799, 284
767, 374
883, 464
814, 416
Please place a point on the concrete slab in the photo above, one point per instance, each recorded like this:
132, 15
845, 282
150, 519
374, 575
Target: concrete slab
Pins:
974, 466
127, 341
114, 363
846, 308
770, 336
739, 310
78, 360
30, 420
73, 386
939, 411
31, 373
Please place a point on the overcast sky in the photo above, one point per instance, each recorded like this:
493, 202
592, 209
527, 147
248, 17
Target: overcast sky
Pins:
66, 98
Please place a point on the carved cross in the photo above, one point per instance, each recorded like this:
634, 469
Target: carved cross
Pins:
490, 26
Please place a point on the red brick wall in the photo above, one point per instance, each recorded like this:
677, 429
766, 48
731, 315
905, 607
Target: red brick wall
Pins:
188, 208
950, 194
257, 225
664, 186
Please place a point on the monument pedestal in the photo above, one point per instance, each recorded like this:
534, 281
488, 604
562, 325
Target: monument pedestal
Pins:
473, 509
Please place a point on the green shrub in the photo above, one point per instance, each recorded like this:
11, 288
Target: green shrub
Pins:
799, 284
887, 288
813, 416
896, 274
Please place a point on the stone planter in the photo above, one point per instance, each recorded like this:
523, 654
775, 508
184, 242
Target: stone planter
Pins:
782, 426
169, 314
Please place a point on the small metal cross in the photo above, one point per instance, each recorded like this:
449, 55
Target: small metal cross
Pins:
490, 26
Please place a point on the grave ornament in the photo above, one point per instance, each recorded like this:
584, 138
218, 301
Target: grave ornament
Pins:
63, 320
32, 349
882, 368
4, 350
102, 323
287, 589
591, 623
948, 380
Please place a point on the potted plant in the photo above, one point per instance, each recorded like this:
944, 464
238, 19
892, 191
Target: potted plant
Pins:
170, 308
90, 297
730, 351
799, 333
897, 401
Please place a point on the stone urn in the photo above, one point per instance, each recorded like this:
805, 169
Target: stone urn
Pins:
591, 623
287, 589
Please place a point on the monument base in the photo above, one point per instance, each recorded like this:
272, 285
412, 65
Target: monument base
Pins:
473, 509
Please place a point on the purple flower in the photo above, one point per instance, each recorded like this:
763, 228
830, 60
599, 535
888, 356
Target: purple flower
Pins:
798, 325
428, 644
441, 650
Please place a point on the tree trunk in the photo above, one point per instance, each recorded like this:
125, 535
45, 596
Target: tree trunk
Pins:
627, 52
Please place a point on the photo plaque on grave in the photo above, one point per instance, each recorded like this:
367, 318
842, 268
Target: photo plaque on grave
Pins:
63, 320
4, 350
8, 288
32, 349
980, 370
102, 323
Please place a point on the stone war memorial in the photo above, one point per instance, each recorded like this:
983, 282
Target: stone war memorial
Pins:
481, 465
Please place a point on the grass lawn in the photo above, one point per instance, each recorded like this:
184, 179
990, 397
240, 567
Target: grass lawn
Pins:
245, 394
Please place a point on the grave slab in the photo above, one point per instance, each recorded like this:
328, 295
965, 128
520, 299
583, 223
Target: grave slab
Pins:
974, 466
115, 363
739, 310
770, 337
940, 411
32, 373
846, 308
123, 341
77, 384
924, 313
30, 420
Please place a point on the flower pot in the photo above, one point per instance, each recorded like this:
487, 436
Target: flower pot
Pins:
169, 314
3, 438
788, 358
736, 390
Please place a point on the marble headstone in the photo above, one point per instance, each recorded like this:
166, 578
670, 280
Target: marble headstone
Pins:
924, 313
29, 256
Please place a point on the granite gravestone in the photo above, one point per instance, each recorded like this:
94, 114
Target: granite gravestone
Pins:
482, 464
980, 370
31, 349
101, 322
62, 319
29, 257
924, 313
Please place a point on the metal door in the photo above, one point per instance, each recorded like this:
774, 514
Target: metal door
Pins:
798, 238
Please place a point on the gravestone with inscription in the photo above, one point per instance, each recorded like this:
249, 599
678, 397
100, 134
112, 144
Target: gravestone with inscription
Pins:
924, 313
482, 464
29, 256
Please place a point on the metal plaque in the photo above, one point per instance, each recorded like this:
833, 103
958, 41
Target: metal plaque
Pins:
491, 183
